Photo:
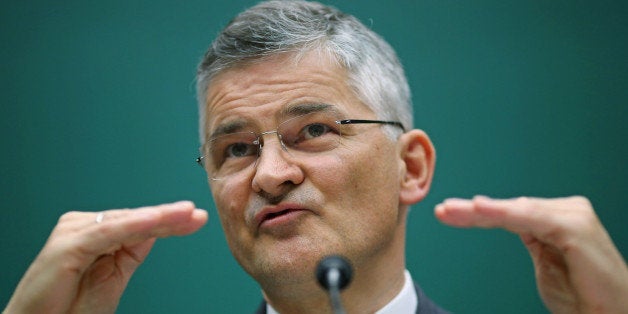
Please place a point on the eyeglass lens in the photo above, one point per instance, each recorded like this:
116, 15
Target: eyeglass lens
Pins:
306, 134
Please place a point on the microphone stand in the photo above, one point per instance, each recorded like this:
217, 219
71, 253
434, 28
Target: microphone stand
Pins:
334, 274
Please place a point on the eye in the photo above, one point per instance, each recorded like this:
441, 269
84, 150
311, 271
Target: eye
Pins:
236, 150
314, 130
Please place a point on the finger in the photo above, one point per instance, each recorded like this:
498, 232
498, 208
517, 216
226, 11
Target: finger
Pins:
473, 213
105, 280
456, 212
80, 221
163, 220
125, 261
541, 217
79, 235
516, 215
127, 227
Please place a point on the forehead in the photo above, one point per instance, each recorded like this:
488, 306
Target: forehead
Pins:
261, 90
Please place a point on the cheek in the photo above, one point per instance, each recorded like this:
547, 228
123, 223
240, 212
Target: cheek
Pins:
330, 174
358, 176
231, 201
374, 183
373, 170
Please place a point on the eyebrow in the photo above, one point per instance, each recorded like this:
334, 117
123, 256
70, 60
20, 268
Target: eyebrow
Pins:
228, 128
238, 125
305, 108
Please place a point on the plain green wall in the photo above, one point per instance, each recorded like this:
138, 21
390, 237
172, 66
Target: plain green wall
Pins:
98, 112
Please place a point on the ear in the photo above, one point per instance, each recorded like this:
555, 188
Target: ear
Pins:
419, 158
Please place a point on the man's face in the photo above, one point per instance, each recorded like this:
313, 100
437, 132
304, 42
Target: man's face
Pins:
284, 213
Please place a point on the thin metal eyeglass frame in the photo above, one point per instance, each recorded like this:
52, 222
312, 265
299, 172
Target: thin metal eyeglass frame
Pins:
360, 121
199, 159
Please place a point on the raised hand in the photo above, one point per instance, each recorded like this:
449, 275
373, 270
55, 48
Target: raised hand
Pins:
578, 268
89, 257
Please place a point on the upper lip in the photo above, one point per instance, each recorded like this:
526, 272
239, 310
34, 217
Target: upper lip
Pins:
270, 211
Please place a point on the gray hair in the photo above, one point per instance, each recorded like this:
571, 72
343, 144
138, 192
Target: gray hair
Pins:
282, 26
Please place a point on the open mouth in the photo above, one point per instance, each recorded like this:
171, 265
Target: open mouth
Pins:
281, 218
270, 216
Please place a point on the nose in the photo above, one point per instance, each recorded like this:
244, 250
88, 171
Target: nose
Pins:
276, 171
261, 143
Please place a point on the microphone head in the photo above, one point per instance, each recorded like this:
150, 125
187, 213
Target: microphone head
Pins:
330, 263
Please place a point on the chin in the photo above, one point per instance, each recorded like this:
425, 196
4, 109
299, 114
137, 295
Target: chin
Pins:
287, 265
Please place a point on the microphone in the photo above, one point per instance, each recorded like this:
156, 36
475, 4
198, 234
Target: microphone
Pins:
334, 274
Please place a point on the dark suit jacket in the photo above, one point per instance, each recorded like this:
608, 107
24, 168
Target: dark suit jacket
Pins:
426, 306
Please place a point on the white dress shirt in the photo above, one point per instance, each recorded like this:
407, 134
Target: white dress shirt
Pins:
404, 302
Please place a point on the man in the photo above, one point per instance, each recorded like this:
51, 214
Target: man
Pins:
307, 139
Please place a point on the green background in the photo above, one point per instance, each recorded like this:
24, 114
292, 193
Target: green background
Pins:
519, 97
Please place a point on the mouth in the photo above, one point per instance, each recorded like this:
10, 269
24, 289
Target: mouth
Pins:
271, 216
277, 216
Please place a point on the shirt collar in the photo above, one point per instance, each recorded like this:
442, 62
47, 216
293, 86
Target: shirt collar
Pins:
405, 301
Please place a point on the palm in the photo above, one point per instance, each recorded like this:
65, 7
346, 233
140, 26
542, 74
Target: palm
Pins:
552, 276
104, 281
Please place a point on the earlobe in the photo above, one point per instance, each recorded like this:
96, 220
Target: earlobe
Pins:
418, 159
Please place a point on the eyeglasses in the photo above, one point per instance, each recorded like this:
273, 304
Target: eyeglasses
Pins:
302, 136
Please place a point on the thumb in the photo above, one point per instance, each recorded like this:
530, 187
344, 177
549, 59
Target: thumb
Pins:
105, 280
